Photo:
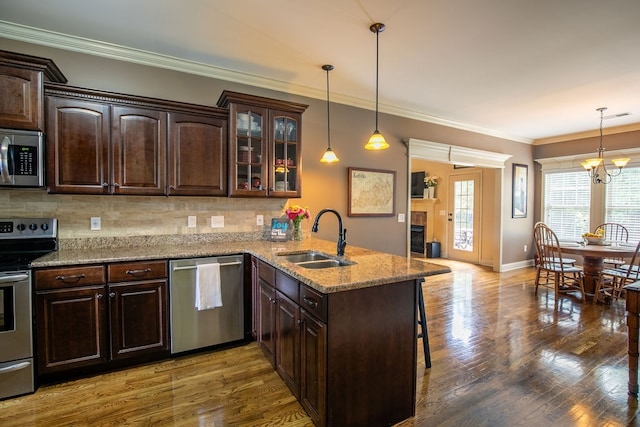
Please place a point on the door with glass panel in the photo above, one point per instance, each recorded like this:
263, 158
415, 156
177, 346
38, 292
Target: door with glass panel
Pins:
464, 217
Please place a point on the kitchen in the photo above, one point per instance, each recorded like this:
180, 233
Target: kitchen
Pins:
122, 217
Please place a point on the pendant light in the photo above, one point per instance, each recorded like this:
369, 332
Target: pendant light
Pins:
329, 156
596, 167
376, 140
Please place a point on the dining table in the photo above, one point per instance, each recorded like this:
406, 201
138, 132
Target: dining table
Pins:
593, 258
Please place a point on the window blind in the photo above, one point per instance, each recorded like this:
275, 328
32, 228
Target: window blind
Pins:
623, 201
567, 196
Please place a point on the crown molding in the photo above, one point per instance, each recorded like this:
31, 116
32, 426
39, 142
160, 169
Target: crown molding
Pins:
588, 134
122, 53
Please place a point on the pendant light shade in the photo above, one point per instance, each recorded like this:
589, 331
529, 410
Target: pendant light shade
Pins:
376, 140
329, 156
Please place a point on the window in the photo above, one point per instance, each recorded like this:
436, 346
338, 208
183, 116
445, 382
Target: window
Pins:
567, 197
623, 201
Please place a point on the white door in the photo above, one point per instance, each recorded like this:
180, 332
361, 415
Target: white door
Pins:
464, 217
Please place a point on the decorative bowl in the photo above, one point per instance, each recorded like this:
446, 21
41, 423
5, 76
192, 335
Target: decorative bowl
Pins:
595, 240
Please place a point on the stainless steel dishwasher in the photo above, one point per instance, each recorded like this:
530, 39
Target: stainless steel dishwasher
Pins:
192, 329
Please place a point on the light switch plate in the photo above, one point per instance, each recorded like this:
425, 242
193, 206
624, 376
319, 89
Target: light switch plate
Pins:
217, 221
400, 217
260, 220
95, 223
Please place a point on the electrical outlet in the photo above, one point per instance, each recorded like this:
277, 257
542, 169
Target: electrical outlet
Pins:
525, 248
191, 221
260, 220
400, 217
95, 223
217, 221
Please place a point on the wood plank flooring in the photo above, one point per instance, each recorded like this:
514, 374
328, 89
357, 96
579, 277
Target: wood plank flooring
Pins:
501, 357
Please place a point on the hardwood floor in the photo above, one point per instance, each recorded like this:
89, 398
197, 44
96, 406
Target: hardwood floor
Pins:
500, 357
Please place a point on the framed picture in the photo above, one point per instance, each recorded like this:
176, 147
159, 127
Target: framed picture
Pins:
279, 227
372, 192
519, 191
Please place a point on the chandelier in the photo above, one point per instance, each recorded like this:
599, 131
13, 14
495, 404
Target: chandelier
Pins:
596, 167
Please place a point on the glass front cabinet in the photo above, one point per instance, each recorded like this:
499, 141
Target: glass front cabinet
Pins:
264, 146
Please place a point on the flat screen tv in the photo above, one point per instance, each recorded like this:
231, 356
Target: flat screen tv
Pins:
417, 185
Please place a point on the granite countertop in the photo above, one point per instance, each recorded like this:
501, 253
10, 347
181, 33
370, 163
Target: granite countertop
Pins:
371, 268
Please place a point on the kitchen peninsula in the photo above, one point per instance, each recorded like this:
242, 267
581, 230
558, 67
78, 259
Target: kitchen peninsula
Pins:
363, 362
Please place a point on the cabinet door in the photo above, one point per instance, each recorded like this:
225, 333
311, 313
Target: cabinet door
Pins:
138, 318
266, 321
197, 155
255, 297
288, 342
248, 151
313, 368
284, 156
23, 109
77, 140
71, 329
139, 143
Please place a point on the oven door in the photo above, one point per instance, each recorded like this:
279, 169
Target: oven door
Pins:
15, 316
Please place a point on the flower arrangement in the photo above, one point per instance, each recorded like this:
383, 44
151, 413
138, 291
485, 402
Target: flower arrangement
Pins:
430, 181
297, 213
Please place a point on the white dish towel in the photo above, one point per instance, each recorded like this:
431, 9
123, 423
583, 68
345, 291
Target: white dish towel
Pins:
208, 290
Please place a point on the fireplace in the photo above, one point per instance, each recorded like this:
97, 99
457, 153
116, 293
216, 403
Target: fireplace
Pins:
417, 239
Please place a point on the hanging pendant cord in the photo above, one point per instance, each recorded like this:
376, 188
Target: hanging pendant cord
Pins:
328, 116
377, 71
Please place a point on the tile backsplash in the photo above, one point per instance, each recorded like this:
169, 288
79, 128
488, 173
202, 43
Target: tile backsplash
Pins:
138, 215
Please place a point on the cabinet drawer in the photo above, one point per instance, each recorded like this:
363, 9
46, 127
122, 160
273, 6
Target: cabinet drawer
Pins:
266, 272
65, 277
313, 302
143, 270
287, 285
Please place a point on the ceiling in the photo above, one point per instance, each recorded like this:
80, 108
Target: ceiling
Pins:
520, 69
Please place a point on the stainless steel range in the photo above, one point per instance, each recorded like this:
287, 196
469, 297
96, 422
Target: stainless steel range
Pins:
21, 241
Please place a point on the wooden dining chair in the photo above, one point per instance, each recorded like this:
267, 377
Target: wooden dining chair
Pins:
561, 276
614, 232
612, 280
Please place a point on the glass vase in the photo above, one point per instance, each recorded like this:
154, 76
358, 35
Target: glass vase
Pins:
297, 231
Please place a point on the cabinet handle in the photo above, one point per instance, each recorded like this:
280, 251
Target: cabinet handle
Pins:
112, 294
138, 272
99, 296
310, 302
71, 279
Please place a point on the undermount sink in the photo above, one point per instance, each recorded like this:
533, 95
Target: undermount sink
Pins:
314, 259
305, 256
326, 263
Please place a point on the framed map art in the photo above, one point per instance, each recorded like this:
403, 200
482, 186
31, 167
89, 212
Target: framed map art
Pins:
372, 192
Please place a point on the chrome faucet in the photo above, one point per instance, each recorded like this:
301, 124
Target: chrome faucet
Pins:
342, 232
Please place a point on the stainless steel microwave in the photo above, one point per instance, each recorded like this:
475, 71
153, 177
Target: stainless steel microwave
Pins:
21, 158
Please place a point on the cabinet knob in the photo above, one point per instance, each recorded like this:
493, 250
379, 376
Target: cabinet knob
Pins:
112, 294
273, 300
105, 185
99, 296
300, 321
116, 185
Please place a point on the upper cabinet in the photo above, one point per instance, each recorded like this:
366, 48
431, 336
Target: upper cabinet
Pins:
264, 146
21, 79
105, 143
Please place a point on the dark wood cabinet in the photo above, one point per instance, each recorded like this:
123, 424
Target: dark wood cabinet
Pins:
197, 155
313, 368
288, 342
106, 143
138, 150
264, 146
266, 321
85, 320
21, 80
78, 146
138, 309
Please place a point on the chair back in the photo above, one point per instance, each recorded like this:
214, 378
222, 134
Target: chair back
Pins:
614, 232
548, 247
633, 268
